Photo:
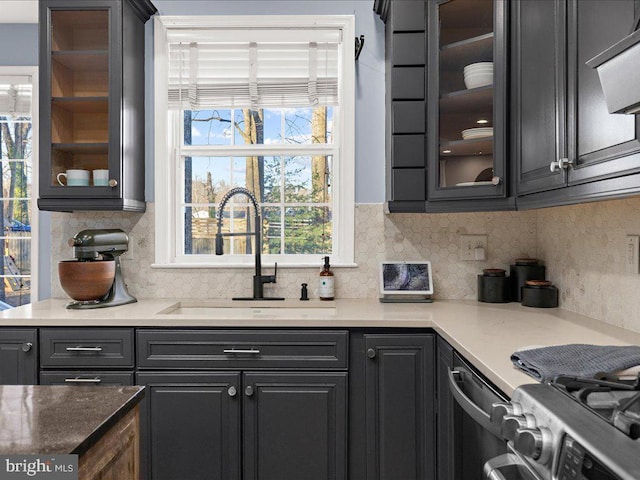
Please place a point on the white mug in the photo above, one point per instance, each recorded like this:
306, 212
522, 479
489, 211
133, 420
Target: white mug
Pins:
101, 178
75, 178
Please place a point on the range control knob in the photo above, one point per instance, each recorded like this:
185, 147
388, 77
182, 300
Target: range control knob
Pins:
499, 410
533, 443
512, 423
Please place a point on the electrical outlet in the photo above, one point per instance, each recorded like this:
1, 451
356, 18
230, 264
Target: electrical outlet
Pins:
632, 250
473, 247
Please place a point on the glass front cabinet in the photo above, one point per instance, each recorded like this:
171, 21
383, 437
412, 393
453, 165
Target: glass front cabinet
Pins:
92, 104
466, 126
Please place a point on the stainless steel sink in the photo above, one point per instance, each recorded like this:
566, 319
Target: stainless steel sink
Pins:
249, 309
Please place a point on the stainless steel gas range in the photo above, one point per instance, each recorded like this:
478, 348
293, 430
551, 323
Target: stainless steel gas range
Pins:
571, 429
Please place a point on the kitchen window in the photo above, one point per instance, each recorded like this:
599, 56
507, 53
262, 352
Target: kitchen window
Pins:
18, 221
265, 103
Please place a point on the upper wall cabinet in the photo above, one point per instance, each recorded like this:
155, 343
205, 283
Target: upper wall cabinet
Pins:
92, 104
569, 149
446, 105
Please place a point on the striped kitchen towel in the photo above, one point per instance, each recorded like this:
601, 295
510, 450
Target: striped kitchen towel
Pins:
580, 360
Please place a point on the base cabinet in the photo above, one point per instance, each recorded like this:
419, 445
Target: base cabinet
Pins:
252, 425
395, 437
192, 425
18, 357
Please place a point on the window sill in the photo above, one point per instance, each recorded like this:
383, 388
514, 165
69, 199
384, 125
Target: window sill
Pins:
251, 266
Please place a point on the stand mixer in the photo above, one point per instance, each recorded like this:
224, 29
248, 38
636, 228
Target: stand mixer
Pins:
88, 247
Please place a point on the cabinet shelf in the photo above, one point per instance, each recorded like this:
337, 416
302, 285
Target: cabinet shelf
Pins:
81, 148
465, 148
82, 104
455, 56
473, 100
82, 60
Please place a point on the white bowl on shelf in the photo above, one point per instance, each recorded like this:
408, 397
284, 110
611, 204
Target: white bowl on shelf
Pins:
478, 80
480, 132
478, 74
478, 67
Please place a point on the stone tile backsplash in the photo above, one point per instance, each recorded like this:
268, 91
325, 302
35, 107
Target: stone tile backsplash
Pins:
583, 247
584, 250
378, 237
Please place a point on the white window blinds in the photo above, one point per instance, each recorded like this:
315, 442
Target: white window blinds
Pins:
15, 95
233, 68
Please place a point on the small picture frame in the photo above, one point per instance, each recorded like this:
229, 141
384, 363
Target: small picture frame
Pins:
410, 281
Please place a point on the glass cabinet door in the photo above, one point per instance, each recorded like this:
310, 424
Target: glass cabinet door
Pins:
79, 123
467, 50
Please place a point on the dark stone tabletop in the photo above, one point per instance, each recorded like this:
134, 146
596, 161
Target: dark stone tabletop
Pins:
38, 419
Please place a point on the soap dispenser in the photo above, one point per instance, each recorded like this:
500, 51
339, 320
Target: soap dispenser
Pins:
326, 285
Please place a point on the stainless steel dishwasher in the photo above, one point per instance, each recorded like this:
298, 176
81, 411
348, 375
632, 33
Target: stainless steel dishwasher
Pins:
479, 449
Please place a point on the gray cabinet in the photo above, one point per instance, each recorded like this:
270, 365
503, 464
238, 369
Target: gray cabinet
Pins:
568, 147
445, 445
392, 436
191, 425
431, 164
92, 103
18, 356
215, 394
295, 425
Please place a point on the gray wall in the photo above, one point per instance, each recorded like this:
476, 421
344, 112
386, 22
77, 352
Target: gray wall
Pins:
19, 47
369, 128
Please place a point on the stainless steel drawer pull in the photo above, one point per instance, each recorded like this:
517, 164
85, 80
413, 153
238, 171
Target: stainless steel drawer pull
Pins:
83, 380
253, 351
84, 349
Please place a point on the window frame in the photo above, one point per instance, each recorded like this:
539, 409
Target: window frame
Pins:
33, 72
169, 177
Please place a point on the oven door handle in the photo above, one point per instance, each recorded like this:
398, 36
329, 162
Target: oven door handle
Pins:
492, 467
474, 411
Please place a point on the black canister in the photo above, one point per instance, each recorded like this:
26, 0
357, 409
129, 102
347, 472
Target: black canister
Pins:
524, 269
493, 286
540, 294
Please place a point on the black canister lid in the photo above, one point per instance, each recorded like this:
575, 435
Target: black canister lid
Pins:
527, 261
494, 272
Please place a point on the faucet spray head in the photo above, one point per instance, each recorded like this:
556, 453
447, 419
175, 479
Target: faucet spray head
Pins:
219, 244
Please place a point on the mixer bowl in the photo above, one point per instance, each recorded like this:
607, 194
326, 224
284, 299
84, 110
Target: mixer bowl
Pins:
86, 281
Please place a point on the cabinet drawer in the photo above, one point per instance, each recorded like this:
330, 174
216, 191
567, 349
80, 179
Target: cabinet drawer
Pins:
242, 349
86, 347
84, 378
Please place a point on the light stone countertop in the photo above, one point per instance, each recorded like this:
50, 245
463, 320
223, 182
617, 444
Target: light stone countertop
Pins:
486, 334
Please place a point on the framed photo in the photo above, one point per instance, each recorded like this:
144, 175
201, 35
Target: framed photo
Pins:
406, 278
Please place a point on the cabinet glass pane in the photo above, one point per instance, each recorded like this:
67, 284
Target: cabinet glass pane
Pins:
466, 93
79, 94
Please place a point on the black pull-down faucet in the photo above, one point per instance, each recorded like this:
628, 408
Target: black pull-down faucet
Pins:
258, 279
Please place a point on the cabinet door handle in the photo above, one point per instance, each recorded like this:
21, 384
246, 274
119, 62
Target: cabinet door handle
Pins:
113, 182
496, 181
84, 349
248, 391
252, 351
232, 391
27, 346
83, 380
371, 353
559, 164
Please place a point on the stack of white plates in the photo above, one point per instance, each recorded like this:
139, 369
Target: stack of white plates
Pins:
478, 74
481, 132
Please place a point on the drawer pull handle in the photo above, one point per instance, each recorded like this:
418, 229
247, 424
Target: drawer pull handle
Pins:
253, 351
83, 380
84, 349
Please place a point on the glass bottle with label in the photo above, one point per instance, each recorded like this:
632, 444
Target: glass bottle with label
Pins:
326, 285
